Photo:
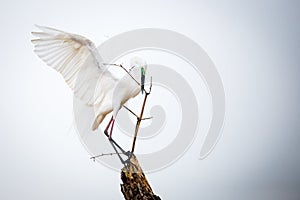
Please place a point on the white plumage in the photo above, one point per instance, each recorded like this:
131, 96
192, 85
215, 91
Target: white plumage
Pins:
77, 59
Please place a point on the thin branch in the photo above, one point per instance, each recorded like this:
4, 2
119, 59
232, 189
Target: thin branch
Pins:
139, 119
114, 145
103, 154
136, 114
147, 118
131, 111
112, 64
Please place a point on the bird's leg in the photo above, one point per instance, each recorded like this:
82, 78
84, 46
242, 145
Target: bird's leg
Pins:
108, 125
121, 159
112, 127
115, 146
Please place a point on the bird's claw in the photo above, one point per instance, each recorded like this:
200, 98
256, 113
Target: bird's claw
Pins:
128, 153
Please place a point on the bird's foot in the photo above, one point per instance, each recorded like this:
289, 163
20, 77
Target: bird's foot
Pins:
128, 154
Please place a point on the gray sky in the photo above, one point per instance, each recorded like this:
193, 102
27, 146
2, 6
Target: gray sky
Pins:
255, 47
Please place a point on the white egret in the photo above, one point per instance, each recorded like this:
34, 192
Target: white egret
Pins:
77, 59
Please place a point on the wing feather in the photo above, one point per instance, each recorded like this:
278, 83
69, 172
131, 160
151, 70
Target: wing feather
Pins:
77, 60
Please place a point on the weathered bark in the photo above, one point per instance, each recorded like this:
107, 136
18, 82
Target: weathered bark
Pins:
135, 185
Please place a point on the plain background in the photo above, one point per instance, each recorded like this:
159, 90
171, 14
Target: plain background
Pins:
255, 47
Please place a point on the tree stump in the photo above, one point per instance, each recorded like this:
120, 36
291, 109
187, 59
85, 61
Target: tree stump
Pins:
135, 185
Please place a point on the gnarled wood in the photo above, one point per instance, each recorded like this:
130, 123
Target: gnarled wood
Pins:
135, 185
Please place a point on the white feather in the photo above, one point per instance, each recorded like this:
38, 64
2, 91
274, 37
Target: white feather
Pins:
78, 61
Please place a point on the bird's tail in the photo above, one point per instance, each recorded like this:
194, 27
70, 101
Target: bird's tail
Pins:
97, 121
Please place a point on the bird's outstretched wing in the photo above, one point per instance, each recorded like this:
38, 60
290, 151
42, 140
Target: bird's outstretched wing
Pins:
76, 59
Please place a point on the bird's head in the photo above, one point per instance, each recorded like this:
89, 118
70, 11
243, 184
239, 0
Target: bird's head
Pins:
137, 62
